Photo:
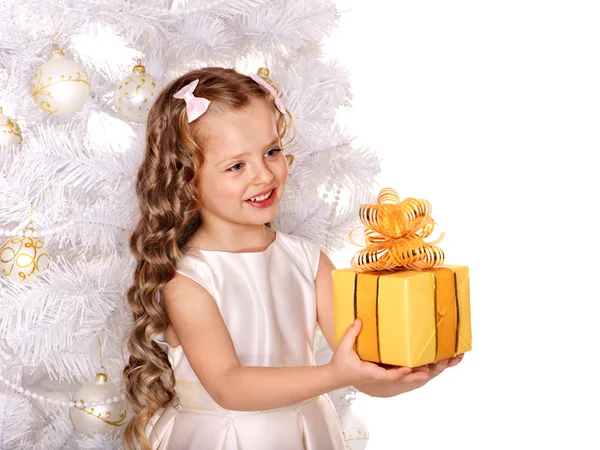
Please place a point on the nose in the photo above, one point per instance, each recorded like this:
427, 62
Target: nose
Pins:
263, 174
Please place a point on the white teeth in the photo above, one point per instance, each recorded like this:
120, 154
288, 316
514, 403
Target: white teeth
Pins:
261, 198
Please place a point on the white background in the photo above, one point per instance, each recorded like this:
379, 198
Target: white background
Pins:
491, 111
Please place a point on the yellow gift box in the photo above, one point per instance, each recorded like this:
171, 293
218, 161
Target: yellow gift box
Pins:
409, 318
414, 310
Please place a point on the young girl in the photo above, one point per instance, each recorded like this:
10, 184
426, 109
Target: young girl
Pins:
224, 307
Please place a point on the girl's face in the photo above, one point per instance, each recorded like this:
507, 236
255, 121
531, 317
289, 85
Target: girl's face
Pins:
245, 172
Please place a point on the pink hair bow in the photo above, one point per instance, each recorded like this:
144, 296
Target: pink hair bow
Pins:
271, 89
195, 106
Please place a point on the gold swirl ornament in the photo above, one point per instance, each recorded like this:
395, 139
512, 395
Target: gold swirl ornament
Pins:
60, 86
395, 233
136, 93
104, 418
23, 256
10, 132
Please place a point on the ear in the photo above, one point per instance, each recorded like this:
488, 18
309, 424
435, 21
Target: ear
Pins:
289, 159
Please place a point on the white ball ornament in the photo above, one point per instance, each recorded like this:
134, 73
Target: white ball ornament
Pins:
135, 94
23, 256
105, 418
60, 86
10, 132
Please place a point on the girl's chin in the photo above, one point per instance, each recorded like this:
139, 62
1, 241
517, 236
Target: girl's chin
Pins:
261, 216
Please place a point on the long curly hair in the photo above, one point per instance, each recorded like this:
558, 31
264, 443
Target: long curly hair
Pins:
167, 191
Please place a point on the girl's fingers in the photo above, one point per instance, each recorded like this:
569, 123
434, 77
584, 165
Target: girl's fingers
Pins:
457, 359
417, 377
419, 374
403, 370
347, 342
392, 374
454, 361
425, 369
439, 367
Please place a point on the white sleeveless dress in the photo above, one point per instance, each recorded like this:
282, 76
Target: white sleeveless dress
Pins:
267, 300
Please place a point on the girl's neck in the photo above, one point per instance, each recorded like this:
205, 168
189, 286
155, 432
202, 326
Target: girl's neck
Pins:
234, 241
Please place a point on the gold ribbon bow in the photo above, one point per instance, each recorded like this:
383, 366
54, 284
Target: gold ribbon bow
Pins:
395, 233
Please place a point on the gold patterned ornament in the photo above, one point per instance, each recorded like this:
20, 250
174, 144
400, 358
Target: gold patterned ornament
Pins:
60, 86
104, 418
10, 132
136, 93
23, 256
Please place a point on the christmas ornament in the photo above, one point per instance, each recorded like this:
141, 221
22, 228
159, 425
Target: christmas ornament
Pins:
23, 391
136, 93
10, 132
60, 86
102, 418
23, 256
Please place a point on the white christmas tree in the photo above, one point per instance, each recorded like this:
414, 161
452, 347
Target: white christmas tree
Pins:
68, 172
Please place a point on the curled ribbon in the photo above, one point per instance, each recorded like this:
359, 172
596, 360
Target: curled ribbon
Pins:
395, 233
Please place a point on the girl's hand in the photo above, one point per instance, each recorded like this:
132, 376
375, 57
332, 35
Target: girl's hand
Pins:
349, 369
381, 380
418, 377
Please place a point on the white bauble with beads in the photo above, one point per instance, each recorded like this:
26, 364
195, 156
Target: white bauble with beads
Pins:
103, 418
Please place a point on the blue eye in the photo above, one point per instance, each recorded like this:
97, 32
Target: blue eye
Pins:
239, 166
236, 167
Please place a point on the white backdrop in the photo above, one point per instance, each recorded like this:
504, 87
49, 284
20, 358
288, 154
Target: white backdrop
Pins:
491, 111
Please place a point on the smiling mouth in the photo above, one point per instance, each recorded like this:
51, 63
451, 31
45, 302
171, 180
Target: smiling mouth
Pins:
262, 198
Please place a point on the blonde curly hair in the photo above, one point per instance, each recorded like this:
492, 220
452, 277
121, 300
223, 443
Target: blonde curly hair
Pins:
168, 195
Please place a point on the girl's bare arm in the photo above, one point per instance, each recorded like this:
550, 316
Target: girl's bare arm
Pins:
199, 327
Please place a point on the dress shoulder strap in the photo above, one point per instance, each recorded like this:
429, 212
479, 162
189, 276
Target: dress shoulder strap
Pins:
303, 248
195, 266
